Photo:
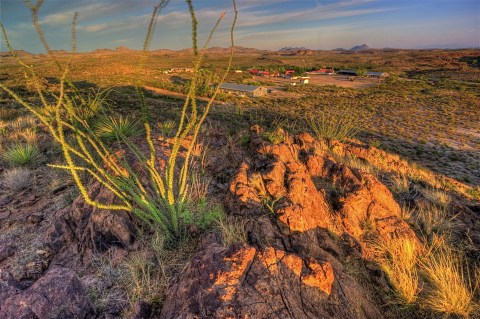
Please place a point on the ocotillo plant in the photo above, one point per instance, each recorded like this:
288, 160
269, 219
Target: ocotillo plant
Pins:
159, 199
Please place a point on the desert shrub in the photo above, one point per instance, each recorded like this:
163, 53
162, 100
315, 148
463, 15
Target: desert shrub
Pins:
166, 128
208, 214
17, 179
330, 126
22, 155
274, 137
449, 290
116, 128
91, 105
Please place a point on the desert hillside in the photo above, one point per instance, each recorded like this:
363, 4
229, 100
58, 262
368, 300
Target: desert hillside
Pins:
212, 182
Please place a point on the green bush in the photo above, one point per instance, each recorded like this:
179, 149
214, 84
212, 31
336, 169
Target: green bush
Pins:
274, 137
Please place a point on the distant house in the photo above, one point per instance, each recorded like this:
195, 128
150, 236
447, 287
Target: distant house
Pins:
377, 74
181, 70
238, 71
263, 73
304, 80
253, 71
243, 89
347, 72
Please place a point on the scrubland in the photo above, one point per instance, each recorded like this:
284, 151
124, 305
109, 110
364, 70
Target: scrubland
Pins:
418, 133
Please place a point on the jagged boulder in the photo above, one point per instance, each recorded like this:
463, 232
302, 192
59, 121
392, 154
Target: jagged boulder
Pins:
295, 180
89, 228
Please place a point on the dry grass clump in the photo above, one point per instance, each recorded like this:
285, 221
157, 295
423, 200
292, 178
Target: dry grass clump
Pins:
399, 261
233, 231
354, 162
23, 123
145, 278
450, 289
437, 197
399, 184
29, 135
435, 220
8, 114
17, 179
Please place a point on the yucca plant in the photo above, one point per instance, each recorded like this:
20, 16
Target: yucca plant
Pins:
116, 128
166, 128
22, 155
334, 126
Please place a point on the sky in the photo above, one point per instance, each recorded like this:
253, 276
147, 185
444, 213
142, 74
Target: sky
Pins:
262, 24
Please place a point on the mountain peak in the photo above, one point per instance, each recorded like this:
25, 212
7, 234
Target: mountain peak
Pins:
361, 47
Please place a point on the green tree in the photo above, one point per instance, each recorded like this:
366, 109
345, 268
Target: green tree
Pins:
362, 72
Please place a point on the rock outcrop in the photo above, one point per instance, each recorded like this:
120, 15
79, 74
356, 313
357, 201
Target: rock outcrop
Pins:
58, 294
244, 282
310, 216
81, 229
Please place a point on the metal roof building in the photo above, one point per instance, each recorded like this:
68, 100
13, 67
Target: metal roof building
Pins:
377, 74
243, 89
347, 72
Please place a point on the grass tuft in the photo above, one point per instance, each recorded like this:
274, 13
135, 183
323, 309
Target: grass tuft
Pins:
330, 126
22, 155
17, 179
437, 197
449, 290
399, 261
233, 230
113, 129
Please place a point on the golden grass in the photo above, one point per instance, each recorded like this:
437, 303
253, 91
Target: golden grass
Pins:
399, 261
437, 197
435, 220
450, 289
146, 279
29, 135
399, 184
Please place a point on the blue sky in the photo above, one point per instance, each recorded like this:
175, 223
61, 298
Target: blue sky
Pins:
263, 24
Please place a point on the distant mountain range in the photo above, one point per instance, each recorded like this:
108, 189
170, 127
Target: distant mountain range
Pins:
294, 49
361, 47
